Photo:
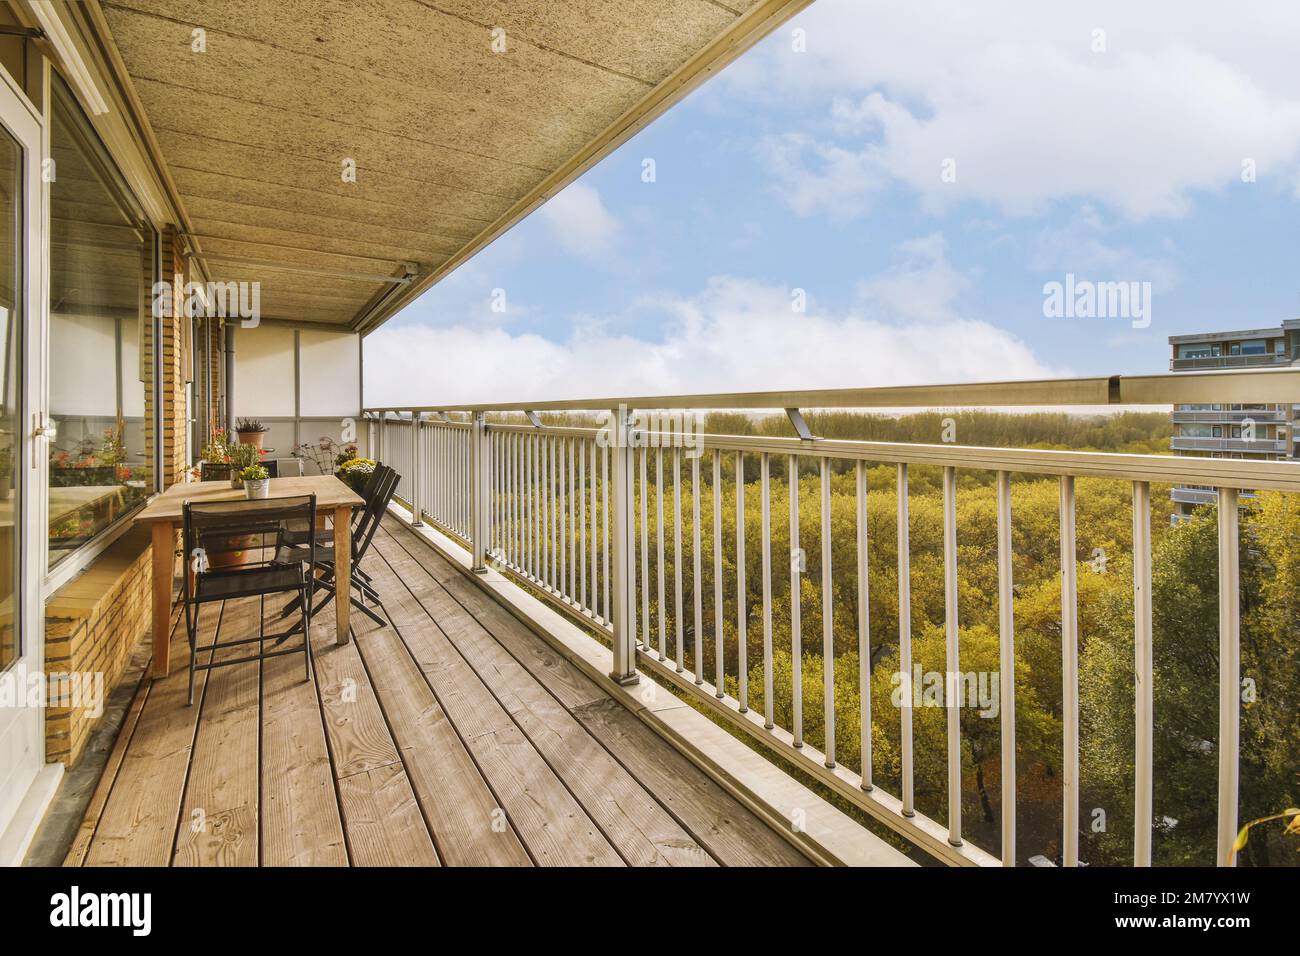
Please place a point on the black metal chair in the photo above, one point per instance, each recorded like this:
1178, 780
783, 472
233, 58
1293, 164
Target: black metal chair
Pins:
295, 534
379, 492
207, 523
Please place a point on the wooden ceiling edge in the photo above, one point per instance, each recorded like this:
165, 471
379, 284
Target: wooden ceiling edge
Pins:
743, 33
305, 325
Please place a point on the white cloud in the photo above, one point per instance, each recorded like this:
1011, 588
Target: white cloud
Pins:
580, 222
735, 335
1014, 93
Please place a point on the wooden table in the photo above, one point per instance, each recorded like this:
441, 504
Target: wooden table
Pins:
165, 514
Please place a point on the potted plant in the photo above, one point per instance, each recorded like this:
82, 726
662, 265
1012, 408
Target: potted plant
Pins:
241, 457
251, 432
355, 472
325, 455
257, 481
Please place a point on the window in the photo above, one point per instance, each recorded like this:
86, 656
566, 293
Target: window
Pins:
101, 272
1254, 347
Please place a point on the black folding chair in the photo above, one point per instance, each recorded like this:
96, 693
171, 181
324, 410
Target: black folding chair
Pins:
380, 492
208, 523
296, 535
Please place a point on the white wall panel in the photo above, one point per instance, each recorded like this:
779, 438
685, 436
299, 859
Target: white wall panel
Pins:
330, 373
264, 372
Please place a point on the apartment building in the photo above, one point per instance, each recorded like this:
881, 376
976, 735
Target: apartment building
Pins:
1243, 431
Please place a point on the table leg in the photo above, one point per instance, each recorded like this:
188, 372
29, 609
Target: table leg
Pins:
342, 570
164, 546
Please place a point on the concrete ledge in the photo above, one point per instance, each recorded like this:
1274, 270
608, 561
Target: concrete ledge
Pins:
812, 825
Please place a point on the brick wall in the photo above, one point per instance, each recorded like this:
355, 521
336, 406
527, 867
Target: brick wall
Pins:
91, 627
175, 454
93, 623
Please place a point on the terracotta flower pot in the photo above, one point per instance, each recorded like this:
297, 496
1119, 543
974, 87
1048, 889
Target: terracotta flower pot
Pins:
252, 438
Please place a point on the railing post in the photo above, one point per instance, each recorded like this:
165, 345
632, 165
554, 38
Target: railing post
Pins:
623, 570
1229, 674
417, 471
480, 491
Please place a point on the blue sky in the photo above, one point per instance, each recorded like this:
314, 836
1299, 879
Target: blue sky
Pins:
1114, 155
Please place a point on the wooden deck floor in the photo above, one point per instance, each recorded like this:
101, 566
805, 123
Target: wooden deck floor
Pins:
454, 736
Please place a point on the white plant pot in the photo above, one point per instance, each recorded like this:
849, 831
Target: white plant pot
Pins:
257, 489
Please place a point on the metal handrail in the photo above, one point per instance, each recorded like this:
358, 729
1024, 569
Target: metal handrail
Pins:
1280, 386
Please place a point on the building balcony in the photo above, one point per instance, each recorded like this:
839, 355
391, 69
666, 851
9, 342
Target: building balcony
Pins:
549, 644
1202, 496
1261, 446
1269, 360
1232, 416
591, 651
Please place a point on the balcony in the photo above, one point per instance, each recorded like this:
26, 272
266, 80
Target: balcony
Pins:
1203, 496
1270, 416
613, 638
1270, 360
1267, 446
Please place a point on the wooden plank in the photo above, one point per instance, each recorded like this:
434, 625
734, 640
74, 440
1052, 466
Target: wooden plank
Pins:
550, 822
565, 681
382, 822
469, 827
644, 833
301, 825
358, 735
219, 817
81, 840
730, 831
138, 825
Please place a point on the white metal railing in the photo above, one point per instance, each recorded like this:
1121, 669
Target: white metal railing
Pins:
597, 521
1274, 446
1230, 361
1233, 416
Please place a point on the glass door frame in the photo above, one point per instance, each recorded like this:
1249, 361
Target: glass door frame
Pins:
22, 728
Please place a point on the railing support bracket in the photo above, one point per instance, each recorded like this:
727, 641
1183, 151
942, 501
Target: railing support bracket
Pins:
800, 426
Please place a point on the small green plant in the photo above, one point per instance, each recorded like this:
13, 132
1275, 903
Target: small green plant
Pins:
245, 425
217, 450
255, 473
243, 456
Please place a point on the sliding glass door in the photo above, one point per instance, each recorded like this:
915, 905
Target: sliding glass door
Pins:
22, 743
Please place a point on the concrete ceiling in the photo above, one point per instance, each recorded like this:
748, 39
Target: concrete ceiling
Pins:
452, 142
